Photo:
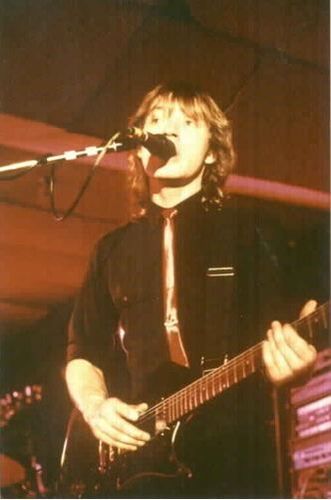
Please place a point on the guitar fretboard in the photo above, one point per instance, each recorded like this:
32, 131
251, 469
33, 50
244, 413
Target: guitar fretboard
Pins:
209, 386
229, 373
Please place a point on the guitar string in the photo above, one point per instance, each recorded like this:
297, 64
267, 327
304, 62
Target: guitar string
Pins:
206, 389
174, 399
221, 370
216, 375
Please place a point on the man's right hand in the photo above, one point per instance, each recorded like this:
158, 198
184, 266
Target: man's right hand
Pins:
109, 420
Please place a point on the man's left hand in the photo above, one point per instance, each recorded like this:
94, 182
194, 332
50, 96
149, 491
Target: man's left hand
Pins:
286, 355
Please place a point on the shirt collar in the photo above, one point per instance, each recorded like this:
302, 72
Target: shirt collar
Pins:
191, 205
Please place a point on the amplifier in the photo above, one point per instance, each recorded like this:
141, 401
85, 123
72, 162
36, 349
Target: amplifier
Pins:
313, 417
310, 433
312, 456
320, 383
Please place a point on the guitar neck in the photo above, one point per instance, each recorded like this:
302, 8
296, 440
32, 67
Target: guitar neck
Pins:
209, 386
231, 372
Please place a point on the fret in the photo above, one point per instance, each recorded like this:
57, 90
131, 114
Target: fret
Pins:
162, 413
187, 401
192, 401
182, 403
186, 404
235, 374
230, 373
213, 384
176, 408
324, 318
213, 389
309, 326
167, 412
227, 378
179, 402
221, 382
172, 410
248, 367
206, 391
316, 319
231, 376
160, 416
200, 394
243, 370
252, 360
177, 413
195, 398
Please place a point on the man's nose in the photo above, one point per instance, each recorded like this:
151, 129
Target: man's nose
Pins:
171, 127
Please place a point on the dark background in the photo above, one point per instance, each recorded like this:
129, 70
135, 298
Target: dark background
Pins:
71, 74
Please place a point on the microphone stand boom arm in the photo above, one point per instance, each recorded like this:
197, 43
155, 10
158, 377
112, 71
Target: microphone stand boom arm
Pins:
66, 156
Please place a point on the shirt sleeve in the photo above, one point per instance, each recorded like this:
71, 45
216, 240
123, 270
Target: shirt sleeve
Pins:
94, 320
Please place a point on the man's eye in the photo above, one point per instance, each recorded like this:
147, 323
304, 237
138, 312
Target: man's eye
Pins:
188, 122
154, 120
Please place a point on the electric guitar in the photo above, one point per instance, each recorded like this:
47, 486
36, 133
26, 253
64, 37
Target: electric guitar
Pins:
18, 400
118, 470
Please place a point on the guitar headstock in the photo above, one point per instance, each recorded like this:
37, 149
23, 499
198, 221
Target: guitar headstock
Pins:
13, 402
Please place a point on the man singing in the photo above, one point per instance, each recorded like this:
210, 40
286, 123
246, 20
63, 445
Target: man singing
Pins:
190, 277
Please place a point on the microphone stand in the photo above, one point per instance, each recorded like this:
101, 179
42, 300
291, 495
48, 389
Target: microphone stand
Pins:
51, 160
66, 156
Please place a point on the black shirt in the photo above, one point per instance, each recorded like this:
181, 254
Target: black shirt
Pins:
229, 282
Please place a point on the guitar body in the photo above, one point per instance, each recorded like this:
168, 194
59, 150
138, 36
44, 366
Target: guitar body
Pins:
95, 471
91, 469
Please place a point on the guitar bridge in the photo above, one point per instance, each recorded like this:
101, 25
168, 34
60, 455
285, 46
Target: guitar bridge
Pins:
107, 455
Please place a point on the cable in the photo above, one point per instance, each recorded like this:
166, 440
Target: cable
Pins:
61, 217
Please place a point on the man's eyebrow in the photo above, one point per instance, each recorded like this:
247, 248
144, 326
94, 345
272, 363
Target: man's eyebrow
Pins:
157, 108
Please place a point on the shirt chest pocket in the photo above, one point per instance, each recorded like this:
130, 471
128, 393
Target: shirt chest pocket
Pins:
220, 287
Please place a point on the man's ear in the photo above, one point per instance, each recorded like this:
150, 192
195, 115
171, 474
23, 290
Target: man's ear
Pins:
210, 158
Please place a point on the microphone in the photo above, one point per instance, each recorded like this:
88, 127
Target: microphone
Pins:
157, 144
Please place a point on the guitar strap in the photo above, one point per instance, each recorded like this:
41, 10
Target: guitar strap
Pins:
243, 278
220, 277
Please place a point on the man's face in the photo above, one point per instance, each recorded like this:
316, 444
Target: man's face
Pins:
191, 138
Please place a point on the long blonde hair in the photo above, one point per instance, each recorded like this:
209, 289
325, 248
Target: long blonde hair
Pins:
198, 105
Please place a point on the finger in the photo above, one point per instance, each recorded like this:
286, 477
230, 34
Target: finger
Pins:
130, 431
111, 441
270, 366
304, 351
141, 408
130, 412
308, 308
285, 349
278, 358
113, 431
